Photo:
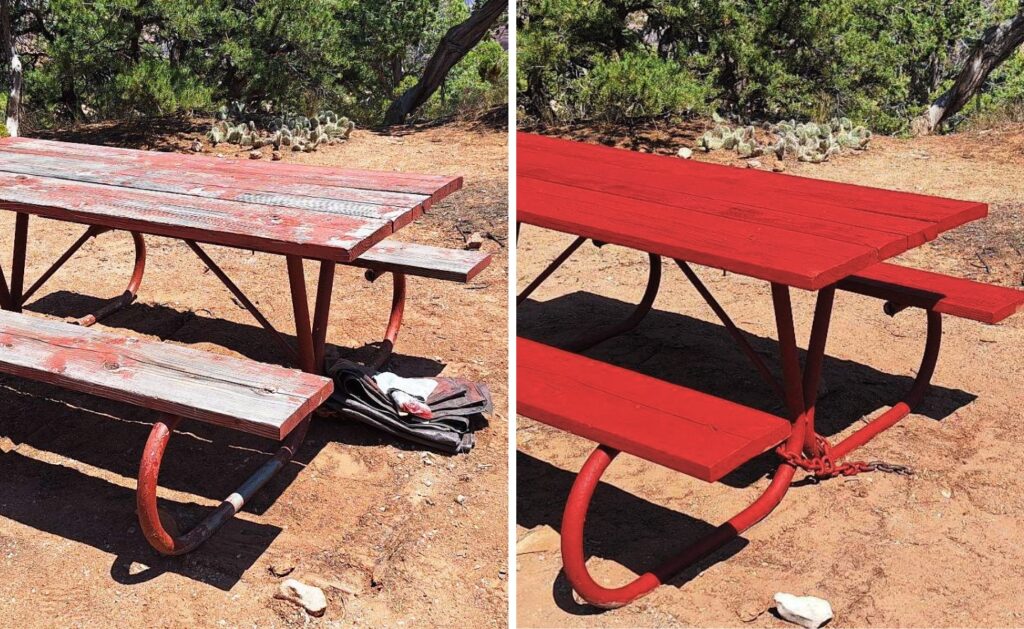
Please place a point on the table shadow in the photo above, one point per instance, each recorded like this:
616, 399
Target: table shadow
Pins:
656, 532
201, 459
89, 510
701, 355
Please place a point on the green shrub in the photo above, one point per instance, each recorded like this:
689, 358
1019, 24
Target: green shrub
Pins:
637, 84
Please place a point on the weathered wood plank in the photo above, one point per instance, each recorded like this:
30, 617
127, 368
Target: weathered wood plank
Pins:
434, 186
395, 207
280, 230
686, 430
252, 397
423, 260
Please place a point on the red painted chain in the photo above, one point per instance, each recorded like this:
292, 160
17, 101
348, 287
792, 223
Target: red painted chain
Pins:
825, 466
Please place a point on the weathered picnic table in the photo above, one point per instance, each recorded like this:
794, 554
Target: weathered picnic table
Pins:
791, 232
328, 215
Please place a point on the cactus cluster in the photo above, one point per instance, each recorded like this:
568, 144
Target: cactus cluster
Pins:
301, 133
808, 142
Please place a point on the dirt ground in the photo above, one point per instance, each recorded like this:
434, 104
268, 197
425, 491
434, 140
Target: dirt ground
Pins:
373, 521
939, 548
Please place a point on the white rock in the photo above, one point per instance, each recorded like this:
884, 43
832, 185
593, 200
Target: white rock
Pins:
685, 153
310, 598
807, 611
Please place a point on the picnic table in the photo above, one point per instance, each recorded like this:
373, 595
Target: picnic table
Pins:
791, 232
328, 215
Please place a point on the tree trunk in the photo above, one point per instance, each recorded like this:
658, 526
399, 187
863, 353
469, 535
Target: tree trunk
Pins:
458, 41
997, 43
11, 54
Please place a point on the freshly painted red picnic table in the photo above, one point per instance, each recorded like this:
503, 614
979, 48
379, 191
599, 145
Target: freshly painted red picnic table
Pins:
804, 233
790, 231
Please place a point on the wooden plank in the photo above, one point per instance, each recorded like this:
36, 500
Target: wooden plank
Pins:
434, 186
395, 207
281, 230
253, 397
953, 296
453, 265
760, 251
755, 187
685, 430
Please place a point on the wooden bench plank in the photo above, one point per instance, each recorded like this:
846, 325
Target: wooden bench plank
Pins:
434, 186
423, 260
686, 430
761, 251
252, 397
953, 296
282, 230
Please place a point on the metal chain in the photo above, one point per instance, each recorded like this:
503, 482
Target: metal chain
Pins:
824, 466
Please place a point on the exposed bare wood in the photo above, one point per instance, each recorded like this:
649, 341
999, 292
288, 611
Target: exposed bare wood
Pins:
412, 259
262, 399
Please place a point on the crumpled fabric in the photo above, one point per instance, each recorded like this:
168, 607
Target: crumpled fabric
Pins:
457, 406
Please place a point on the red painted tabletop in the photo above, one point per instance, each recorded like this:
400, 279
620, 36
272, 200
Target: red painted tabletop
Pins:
801, 232
311, 211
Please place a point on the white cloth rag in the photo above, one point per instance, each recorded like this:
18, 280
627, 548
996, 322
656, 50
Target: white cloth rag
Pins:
409, 394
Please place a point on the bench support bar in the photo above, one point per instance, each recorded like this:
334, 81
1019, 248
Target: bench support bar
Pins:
149, 472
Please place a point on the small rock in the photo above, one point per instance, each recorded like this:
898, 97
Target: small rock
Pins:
476, 240
135, 568
460, 499
255, 155
779, 167
309, 598
750, 611
197, 146
946, 493
275, 156
685, 153
542, 539
753, 164
810, 612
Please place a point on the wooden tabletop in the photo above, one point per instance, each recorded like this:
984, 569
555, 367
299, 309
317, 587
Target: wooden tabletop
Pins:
311, 211
796, 231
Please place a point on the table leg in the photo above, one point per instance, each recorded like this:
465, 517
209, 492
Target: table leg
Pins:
300, 308
322, 311
18, 261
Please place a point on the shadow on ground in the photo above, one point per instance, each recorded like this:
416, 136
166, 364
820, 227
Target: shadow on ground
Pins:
201, 459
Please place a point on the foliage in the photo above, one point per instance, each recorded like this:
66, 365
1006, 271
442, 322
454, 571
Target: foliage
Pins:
878, 62
117, 58
808, 142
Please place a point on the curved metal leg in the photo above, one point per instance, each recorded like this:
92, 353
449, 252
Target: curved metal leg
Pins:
149, 472
913, 397
585, 342
387, 346
128, 296
574, 520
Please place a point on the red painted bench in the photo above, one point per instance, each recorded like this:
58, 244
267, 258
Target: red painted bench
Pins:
692, 432
178, 382
905, 287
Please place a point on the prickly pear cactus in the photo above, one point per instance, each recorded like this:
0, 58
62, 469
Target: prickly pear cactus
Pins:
297, 131
808, 142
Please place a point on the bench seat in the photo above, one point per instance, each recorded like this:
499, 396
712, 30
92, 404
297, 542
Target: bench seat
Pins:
933, 291
454, 265
698, 434
265, 400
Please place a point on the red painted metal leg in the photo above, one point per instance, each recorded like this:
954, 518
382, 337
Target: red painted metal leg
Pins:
551, 268
322, 311
585, 342
387, 346
149, 472
18, 261
300, 307
129, 294
910, 401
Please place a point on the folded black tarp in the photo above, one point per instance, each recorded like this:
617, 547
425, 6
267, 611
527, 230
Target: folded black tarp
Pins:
457, 406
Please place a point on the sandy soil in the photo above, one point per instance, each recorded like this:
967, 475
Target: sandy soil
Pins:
358, 510
940, 548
